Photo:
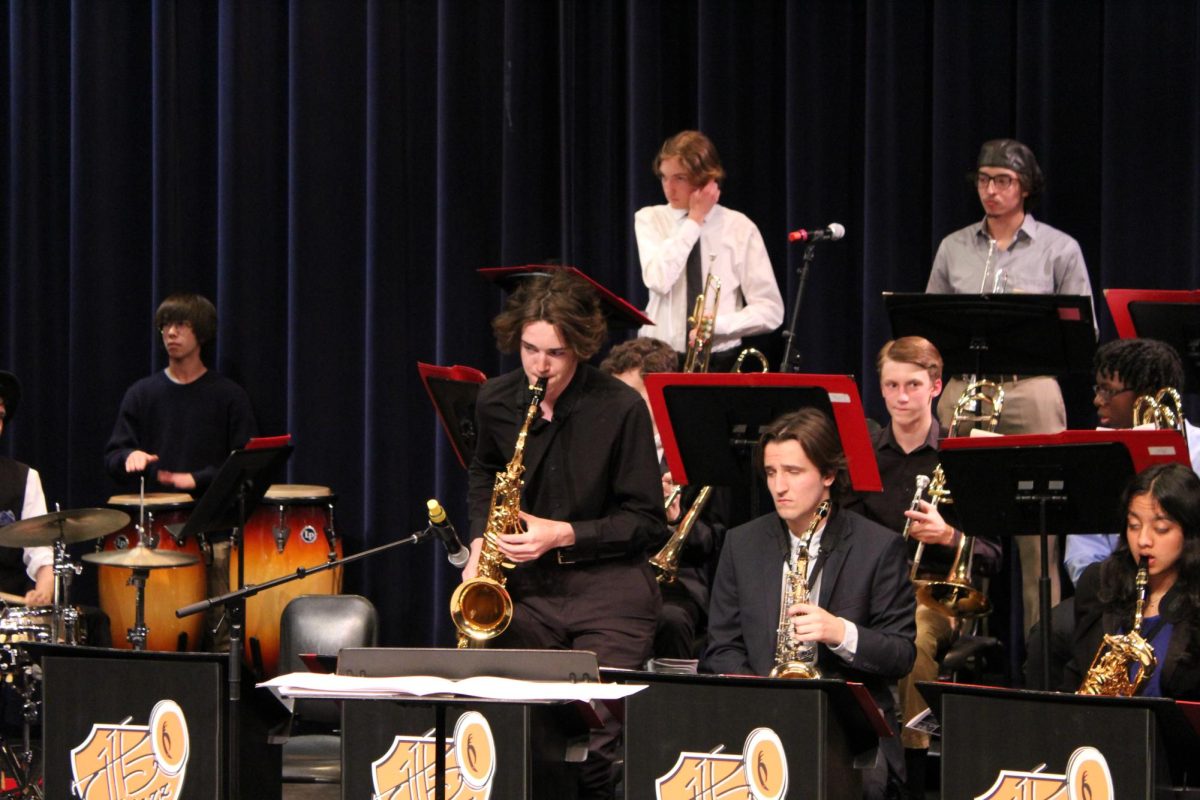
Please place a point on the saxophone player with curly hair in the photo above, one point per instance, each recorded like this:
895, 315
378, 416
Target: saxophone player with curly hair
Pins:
591, 504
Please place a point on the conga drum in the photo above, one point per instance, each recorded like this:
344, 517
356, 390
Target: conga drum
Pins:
166, 589
292, 528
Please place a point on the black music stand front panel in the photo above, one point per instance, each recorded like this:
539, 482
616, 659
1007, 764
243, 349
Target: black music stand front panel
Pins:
118, 691
673, 728
528, 761
985, 737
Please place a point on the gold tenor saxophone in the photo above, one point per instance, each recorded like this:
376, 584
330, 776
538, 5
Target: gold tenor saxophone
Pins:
481, 607
1109, 673
797, 659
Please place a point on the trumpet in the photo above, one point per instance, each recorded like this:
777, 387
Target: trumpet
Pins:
702, 321
666, 560
936, 487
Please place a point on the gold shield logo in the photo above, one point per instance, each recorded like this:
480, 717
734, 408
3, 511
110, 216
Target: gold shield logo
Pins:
133, 762
759, 774
407, 770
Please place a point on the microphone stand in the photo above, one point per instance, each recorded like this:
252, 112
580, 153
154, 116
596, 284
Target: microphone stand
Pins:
791, 356
235, 605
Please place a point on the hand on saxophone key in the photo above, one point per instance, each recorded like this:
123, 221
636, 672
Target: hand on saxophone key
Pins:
928, 526
811, 623
541, 535
471, 570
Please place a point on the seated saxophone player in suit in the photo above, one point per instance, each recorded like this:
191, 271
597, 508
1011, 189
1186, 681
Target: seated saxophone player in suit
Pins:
1162, 529
591, 505
682, 625
861, 609
910, 379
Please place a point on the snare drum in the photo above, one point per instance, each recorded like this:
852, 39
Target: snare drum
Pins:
166, 589
36, 624
292, 528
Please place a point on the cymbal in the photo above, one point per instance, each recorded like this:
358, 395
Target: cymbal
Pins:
77, 525
141, 557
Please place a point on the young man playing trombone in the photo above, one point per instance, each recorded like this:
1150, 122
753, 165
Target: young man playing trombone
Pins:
910, 378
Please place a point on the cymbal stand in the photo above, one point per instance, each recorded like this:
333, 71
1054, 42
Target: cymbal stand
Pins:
138, 633
64, 621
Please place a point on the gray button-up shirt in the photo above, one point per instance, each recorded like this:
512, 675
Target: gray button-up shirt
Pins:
1040, 260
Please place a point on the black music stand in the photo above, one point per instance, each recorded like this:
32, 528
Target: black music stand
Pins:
453, 391
574, 666
1015, 485
1169, 316
989, 709
237, 489
1032, 334
710, 423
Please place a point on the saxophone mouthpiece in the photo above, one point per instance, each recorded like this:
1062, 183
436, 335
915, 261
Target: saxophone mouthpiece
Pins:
538, 389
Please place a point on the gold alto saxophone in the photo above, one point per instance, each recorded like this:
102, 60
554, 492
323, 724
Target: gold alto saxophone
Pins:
481, 607
795, 659
1109, 673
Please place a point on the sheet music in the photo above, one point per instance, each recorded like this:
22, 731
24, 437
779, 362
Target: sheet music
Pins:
308, 684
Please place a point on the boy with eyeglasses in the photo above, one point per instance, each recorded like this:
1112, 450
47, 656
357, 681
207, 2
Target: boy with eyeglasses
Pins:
1008, 251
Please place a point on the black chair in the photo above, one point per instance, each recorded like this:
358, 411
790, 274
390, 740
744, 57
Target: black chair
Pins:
319, 624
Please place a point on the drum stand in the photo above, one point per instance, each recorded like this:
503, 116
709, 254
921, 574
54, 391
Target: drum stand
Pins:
19, 765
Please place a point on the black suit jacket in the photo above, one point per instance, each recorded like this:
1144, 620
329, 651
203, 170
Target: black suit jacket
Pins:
864, 580
1180, 671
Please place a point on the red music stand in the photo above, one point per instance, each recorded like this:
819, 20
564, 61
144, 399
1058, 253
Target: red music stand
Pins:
453, 390
619, 311
1169, 316
704, 419
710, 424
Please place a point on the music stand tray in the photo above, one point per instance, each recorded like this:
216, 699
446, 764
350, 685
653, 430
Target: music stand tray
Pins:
1169, 316
710, 422
1031, 334
453, 391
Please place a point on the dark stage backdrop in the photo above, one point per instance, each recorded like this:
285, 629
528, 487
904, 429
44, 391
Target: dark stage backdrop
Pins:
332, 172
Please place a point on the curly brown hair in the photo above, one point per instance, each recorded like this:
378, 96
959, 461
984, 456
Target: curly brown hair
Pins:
645, 354
564, 300
698, 155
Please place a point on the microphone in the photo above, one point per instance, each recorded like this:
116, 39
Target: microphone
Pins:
455, 551
830, 233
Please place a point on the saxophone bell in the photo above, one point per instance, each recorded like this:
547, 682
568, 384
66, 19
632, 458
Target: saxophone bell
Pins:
1125, 654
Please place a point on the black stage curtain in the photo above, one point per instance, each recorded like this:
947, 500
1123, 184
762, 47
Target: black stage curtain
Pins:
332, 172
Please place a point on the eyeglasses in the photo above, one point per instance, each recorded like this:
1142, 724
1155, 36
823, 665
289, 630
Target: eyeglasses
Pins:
1106, 394
982, 179
166, 326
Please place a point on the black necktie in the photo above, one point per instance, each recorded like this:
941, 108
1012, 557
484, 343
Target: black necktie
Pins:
695, 280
